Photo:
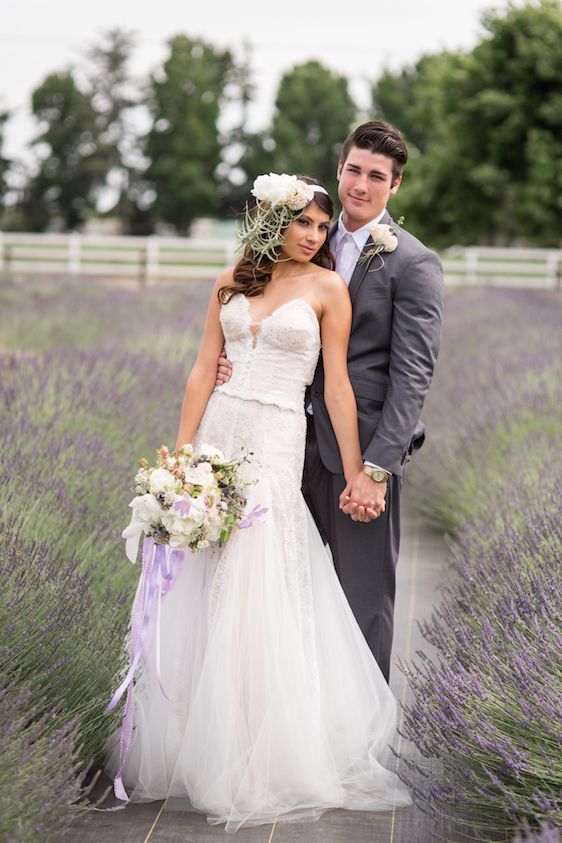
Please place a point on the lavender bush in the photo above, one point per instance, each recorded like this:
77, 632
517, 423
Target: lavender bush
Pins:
90, 380
546, 835
497, 380
489, 706
41, 772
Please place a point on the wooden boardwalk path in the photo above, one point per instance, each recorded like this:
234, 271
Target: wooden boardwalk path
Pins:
419, 573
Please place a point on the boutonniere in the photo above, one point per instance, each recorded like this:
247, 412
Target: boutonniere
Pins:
384, 240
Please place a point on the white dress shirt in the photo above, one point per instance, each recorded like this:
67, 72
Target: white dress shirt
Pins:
348, 245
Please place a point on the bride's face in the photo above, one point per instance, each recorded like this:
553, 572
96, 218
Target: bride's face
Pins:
306, 234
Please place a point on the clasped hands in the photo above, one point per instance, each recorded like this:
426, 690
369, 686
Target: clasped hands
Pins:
362, 499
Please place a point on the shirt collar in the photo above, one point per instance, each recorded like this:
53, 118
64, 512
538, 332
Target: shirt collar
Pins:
361, 235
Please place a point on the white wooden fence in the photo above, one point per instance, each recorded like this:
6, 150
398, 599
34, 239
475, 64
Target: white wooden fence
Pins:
541, 268
150, 259
145, 259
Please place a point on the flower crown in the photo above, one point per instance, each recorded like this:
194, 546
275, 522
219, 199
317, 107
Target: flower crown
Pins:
279, 197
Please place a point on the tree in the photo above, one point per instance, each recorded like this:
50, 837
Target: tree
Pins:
183, 145
70, 169
115, 98
313, 114
486, 133
238, 141
4, 162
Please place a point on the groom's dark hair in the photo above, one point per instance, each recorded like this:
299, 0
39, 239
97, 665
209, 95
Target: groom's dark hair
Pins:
381, 137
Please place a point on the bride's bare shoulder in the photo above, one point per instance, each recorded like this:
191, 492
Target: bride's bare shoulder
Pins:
225, 279
331, 283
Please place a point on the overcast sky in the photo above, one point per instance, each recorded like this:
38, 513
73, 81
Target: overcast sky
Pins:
359, 40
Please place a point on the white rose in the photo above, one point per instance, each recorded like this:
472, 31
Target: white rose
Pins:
177, 524
213, 453
146, 509
161, 480
383, 236
274, 188
202, 475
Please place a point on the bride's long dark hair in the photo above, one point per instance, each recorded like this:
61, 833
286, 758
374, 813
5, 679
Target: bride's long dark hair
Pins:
251, 277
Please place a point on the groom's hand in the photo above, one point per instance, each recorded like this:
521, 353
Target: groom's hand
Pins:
224, 369
363, 499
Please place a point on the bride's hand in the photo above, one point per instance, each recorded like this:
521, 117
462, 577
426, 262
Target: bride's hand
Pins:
224, 369
363, 499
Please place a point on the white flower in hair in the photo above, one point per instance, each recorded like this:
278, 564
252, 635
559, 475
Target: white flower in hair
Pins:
279, 197
283, 189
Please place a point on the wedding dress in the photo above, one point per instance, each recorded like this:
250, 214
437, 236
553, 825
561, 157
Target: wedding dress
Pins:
277, 709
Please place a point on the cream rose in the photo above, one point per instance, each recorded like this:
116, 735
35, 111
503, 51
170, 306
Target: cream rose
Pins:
383, 236
274, 188
146, 510
161, 480
212, 453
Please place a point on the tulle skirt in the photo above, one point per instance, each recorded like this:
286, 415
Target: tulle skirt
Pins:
276, 707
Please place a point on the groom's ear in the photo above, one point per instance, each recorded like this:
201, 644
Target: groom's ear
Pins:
396, 184
338, 172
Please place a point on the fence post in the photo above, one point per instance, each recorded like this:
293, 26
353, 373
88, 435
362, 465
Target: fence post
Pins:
152, 256
5, 259
74, 243
552, 270
471, 258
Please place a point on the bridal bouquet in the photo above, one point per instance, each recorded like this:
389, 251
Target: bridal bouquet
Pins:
187, 500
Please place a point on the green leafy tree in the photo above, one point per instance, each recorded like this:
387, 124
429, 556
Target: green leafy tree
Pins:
486, 134
184, 146
313, 115
4, 162
70, 171
239, 142
115, 98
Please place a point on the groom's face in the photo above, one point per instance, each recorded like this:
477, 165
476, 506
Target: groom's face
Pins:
365, 185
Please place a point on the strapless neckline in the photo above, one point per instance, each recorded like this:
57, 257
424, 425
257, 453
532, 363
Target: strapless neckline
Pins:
274, 312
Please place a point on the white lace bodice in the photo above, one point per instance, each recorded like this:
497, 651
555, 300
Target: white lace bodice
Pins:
275, 363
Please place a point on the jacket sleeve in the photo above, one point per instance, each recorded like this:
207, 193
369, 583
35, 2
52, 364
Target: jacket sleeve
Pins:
416, 332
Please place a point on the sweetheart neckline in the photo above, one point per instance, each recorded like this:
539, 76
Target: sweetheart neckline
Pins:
277, 309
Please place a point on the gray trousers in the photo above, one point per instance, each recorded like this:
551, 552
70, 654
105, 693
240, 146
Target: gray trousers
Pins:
365, 555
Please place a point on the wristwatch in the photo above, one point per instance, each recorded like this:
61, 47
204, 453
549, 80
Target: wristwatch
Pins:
379, 475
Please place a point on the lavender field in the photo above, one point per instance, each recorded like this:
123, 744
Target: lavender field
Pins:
92, 377
490, 706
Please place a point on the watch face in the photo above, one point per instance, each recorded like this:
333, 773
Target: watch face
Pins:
379, 476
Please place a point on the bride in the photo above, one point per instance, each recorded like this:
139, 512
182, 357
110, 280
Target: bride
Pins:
276, 709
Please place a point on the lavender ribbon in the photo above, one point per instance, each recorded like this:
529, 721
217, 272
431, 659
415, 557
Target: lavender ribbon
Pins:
257, 514
159, 572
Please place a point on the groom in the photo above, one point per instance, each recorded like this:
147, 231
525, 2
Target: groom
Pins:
397, 300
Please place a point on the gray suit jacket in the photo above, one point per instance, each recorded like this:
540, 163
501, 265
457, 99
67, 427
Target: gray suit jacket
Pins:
393, 346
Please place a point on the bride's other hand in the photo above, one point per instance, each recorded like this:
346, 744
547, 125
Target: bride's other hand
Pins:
224, 369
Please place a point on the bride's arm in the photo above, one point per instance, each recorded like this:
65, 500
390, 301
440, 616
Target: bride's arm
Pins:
201, 380
338, 392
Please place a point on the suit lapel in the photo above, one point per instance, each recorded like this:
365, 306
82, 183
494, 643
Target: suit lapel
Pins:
362, 268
